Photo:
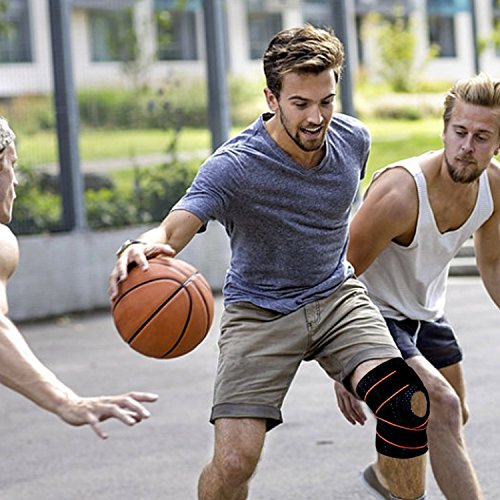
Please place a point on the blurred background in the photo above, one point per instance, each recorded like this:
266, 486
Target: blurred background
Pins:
116, 104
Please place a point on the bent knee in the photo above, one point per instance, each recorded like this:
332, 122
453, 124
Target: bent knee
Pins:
400, 402
446, 408
235, 466
465, 413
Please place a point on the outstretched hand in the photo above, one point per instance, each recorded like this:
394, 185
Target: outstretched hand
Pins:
91, 411
350, 407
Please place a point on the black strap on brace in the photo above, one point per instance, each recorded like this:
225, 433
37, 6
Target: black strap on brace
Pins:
388, 390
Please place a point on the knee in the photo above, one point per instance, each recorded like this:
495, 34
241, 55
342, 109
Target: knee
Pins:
400, 402
446, 409
236, 466
465, 412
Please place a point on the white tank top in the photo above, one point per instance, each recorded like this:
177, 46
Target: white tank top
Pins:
410, 282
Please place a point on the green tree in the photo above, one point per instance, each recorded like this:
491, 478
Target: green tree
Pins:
397, 45
126, 47
494, 37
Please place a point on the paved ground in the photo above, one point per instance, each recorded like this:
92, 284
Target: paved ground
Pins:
314, 455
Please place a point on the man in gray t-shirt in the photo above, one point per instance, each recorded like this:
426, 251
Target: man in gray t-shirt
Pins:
269, 204
283, 189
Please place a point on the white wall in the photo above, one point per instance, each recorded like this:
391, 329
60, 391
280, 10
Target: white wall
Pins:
65, 273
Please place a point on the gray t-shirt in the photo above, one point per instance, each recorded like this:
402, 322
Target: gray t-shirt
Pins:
288, 225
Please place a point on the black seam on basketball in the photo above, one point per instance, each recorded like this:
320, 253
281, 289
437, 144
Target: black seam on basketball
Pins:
187, 274
155, 312
195, 284
161, 278
188, 319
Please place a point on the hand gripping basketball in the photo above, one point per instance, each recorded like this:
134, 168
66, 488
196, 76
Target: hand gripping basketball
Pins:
164, 311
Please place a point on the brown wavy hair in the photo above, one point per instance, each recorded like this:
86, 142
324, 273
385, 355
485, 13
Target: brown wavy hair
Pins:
303, 49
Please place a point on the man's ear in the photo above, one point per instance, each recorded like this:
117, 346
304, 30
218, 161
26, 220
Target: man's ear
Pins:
271, 99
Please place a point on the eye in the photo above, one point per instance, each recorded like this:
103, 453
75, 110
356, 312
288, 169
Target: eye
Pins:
301, 105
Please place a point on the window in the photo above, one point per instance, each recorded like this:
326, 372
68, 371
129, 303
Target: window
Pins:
442, 33
262, 26
496, 25
113, 36
15, 37
317, 13
176, 30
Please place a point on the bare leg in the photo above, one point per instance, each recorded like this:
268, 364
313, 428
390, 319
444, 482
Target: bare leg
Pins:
405, 478
454, 374
450, 462
237, 449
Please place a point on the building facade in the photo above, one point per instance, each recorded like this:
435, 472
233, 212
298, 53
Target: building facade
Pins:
169, 36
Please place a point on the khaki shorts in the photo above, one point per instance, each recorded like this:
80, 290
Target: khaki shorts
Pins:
261, 350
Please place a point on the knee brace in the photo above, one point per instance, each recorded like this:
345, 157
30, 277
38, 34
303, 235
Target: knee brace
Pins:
400, 403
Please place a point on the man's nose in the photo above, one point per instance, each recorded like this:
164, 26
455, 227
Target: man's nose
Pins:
467, 144
315, 115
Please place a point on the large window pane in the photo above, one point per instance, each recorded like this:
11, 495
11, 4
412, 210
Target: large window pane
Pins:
262, 26
15, 38
442, 33
177, 35
317, 12
113, 37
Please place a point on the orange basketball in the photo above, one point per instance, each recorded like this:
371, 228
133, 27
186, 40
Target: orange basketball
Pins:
165, 311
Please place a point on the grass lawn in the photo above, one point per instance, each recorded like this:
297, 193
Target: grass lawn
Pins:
397, 139
391, 140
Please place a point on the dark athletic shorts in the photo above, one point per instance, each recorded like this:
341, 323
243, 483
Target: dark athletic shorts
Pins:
435, 340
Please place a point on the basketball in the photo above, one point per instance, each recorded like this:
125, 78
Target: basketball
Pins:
164, 311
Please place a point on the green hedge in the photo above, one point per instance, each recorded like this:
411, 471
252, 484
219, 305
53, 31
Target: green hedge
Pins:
150, 196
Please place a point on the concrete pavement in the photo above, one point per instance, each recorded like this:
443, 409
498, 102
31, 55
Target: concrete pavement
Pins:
314, 455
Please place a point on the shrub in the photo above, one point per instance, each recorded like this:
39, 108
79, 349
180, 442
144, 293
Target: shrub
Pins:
153, 193
158, 189
34, 211
397, 43
108, 208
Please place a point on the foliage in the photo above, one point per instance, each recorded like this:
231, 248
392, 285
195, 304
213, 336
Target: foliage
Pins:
154, 191
127, 109
4, 26
109, 208
124, 46
158, 189
397, 43
110, 108
34, 211
30, 113
494, 37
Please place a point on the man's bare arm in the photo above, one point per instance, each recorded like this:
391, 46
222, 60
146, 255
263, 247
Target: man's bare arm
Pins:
389, 212
487, 243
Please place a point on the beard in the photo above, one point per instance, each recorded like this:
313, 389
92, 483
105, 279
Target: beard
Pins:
310, 145
463, 174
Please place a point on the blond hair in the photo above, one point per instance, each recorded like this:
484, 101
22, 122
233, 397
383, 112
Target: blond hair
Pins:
6, 135
479, 90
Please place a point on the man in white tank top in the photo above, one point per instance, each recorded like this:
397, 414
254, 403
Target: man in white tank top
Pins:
415, 216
